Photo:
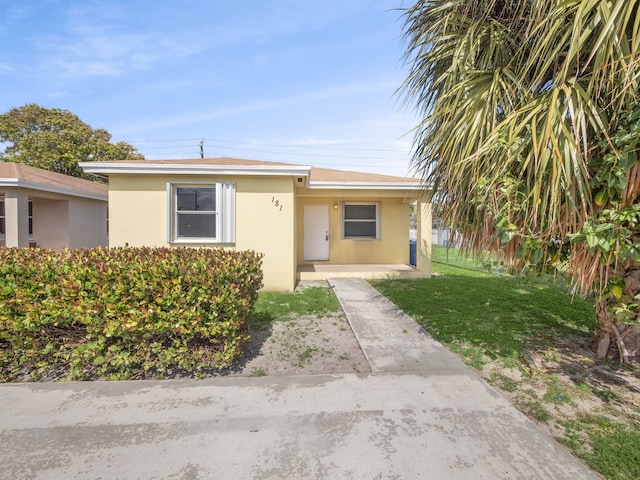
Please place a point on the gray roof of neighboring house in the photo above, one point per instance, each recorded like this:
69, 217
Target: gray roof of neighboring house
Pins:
20, 175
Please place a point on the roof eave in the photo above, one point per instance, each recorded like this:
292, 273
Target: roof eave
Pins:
366, 185
106, 168
43, 187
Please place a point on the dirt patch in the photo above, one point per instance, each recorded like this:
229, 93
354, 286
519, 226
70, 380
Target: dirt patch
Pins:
302, 345
563, 382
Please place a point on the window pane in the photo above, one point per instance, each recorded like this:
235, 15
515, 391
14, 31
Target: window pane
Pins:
194, 225
360, 229
186, 199
360, 212
192, 199
206, 199
2, 226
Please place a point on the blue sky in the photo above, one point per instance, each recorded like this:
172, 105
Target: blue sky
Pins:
300, 81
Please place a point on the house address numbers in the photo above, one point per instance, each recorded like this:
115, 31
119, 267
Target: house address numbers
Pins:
276, 203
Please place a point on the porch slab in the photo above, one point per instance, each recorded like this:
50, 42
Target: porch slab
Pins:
364, 271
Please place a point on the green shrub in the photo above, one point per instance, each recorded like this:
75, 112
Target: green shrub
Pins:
123, 312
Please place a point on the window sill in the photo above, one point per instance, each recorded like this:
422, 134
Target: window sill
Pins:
200, 241
188, 241
360, 239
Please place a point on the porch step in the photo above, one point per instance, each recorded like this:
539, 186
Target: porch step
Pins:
367, 272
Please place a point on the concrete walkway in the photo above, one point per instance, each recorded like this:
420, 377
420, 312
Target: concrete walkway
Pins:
419, 414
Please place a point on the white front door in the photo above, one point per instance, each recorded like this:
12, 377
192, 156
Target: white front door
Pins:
316, 232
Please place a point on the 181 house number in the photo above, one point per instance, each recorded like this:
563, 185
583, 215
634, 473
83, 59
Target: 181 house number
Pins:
276, 203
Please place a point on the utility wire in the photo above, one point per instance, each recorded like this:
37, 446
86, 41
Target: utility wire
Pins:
181, 147
314, 146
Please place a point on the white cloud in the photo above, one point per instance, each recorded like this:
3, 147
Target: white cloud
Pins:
95, 40
6, 69
93, 54
297, 100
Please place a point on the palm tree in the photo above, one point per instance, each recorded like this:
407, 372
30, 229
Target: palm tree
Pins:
530, 139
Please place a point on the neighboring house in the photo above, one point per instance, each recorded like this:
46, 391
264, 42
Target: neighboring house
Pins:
310, 223
50, 210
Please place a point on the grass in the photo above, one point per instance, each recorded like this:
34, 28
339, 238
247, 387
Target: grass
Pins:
274, 306
259, 372
527, 337
445, 258
612, 449
497, 316
453, 257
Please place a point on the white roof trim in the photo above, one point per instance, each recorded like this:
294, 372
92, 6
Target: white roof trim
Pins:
366, 185
168, 168
43, 187
102, 168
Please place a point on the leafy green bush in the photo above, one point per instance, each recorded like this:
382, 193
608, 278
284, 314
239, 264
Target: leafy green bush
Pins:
123, 312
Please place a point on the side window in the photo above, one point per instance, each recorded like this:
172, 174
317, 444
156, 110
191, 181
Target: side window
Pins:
2, 222
30, 218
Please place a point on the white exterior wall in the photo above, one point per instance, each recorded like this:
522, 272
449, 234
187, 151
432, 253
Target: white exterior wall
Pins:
50, 223
87, 223
16, 213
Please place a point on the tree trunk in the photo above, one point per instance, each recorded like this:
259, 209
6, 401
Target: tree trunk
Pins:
620, 339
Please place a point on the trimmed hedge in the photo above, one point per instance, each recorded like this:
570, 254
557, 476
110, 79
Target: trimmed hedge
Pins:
123, 313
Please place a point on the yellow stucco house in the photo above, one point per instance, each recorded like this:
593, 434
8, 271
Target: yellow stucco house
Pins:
310, 223
50, 210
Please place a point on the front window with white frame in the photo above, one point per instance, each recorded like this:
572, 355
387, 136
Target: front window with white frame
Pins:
201, 213
361, 220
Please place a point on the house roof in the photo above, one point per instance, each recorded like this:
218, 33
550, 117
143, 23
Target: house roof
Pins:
328, 178
226, 161
317, 177
20, 175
